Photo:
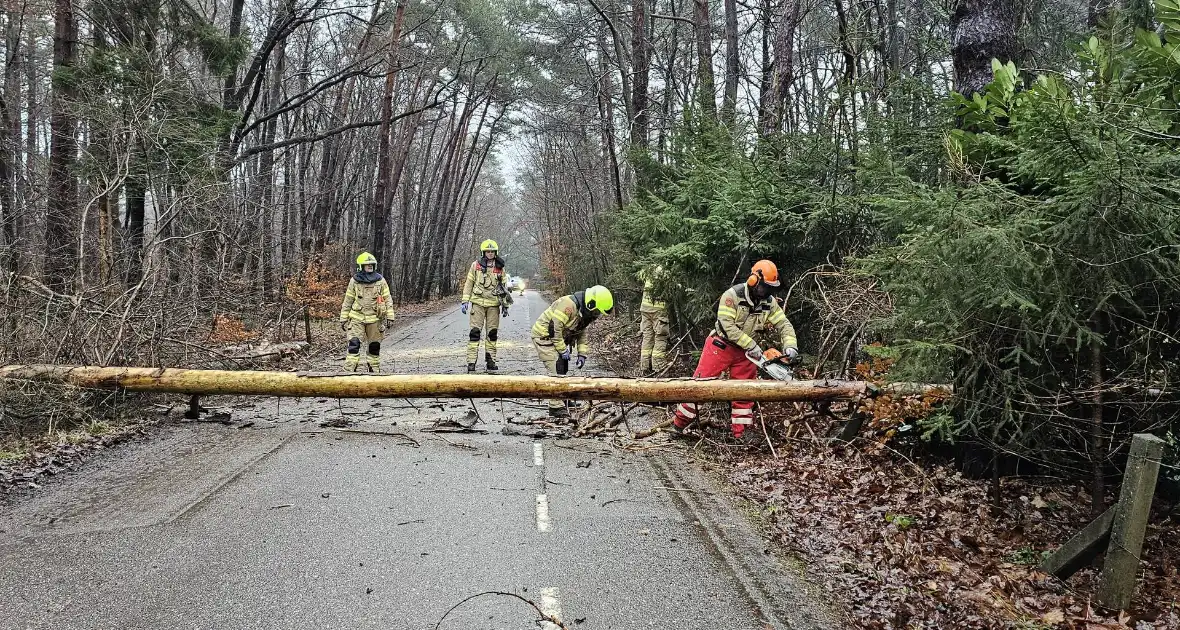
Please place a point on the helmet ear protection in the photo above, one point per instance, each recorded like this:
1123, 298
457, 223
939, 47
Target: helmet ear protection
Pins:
754, 279
592, 305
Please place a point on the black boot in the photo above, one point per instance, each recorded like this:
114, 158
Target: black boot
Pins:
471, 368
492, 367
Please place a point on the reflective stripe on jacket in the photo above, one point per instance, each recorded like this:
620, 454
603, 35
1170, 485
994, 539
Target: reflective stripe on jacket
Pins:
649, 303
563, 323
739, 318
367, 303
485, 284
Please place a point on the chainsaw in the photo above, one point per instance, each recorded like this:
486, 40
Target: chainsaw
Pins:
775, 365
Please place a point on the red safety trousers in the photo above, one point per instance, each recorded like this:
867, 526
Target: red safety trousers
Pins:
719, 356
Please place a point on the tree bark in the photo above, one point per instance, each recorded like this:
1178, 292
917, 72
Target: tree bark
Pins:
384, 189
640, 65
783, 68
706, 89
337, 385
62, 219
732, 64
981, 30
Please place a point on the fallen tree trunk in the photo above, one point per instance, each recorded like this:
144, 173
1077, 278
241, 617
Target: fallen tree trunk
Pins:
353, 385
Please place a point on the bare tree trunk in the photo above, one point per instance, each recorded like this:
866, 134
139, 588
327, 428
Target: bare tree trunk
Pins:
1097, 433
732, 64
62, 219
783, 73
981, 30
266, 174
640, 66
384, 190
706, 90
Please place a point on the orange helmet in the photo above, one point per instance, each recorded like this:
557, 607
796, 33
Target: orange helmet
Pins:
763, 271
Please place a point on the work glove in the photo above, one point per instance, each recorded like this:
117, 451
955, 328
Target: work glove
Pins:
463, 308
503, 311
564, 355
792, 354
581, 362
754, 353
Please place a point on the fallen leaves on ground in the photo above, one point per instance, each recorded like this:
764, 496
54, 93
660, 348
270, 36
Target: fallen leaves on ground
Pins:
909, 546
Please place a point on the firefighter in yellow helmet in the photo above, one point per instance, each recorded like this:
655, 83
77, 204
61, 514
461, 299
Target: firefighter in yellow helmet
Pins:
653, 323
485, 299
366, 311
561, 331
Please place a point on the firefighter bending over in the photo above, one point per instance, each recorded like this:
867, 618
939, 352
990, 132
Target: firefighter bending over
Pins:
561, 330
743, 311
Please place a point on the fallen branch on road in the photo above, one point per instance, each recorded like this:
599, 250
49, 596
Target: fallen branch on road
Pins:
385, 433
542, 614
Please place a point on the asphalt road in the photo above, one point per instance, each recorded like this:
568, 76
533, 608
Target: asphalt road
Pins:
282, 524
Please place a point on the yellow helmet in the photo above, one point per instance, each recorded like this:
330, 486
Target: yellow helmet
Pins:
489, 246
365, 259
598, 298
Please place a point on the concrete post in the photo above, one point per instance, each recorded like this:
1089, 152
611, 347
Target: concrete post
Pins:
1117, 582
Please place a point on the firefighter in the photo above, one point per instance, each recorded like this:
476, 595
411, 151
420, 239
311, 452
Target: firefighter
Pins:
485, 298
561, 331
653, 324
743, 311
366, 311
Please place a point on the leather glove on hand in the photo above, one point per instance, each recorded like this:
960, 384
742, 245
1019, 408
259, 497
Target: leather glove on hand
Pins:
565, 355
503, 311
754, 354
792, 354
463, 308
581, 362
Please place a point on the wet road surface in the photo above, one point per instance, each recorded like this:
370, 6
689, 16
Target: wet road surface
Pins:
287, 525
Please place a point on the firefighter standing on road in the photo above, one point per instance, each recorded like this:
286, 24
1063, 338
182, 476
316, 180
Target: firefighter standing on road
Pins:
653, 324
561, 331
743, 311
486, 297
366, 310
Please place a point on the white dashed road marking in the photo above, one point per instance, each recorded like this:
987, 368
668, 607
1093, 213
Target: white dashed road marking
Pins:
550, 605
538, 454
542, 513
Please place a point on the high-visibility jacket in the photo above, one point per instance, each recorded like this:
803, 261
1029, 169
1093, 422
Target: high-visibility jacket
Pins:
650, 303
367, 301
486, 283
565, 322
739, 317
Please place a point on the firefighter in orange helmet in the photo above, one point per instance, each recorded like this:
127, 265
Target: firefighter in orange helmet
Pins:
743, 311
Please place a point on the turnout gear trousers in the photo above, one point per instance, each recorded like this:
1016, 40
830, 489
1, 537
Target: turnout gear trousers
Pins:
739, 317
720, 356
367, 335
653, 331
483, 318
554, 365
